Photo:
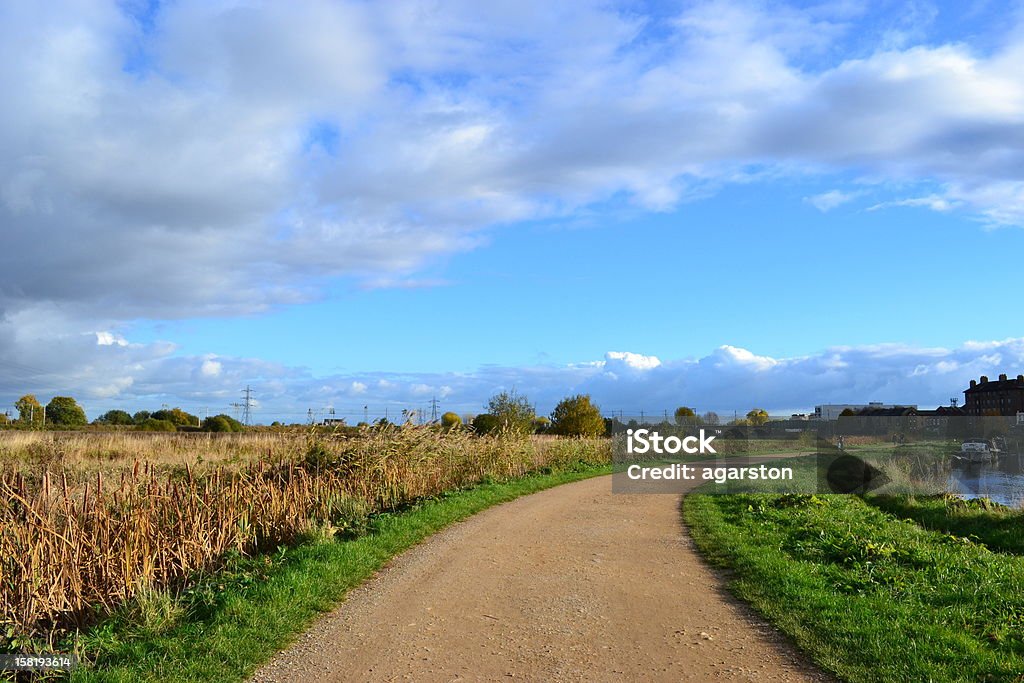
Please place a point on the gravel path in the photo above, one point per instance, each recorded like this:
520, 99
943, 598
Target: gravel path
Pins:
570, 584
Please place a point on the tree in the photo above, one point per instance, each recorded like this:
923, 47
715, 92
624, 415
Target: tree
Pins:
711, 418
513, 412
757, 416
140, 417
577, 416
176, 416
686, 416
451, 420
65, 412
114, 417
30, 410
222, 423
541, 425
485, 423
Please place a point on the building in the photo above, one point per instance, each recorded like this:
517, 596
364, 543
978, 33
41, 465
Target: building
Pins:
999, 397
831, 411
938, 420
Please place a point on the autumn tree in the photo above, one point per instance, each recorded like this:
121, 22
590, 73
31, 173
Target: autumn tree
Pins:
30, 410
686, 416
177, 417
757, 416
577, 416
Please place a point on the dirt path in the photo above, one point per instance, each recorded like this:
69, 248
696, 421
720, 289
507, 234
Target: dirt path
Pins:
570, 584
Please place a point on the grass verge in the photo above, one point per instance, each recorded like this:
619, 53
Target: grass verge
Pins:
868, 596
224, 628
999, 527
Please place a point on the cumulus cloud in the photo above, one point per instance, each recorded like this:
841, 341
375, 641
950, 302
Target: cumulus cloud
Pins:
167, 160
625, 360
725, 379
218, 158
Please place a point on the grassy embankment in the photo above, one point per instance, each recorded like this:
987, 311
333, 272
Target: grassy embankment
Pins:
144, 558
871, 596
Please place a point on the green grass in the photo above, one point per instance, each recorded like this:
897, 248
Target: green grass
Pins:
868, 596
997, 526
224, 627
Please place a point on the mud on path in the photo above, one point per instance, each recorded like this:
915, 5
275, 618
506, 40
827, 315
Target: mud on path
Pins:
570, 584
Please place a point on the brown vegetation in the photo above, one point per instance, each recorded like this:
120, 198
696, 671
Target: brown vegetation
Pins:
83, 530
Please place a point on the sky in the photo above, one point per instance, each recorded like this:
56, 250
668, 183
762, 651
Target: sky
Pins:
362, 206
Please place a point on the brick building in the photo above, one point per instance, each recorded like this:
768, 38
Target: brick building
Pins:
995, 397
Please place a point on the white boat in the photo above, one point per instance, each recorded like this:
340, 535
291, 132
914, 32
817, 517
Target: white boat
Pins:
976, 450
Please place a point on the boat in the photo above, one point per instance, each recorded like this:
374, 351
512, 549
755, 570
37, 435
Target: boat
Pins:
976, 450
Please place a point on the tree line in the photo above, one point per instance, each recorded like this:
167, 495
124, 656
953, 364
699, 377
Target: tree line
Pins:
64, 411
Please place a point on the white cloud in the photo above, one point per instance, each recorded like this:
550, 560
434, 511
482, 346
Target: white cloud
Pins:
282, 146
826, 201
619, 360
728, 378
933, 202
233, 156
211, 368
110, 339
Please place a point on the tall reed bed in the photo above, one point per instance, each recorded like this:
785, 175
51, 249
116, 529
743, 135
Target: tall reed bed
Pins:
90, 452
72, 549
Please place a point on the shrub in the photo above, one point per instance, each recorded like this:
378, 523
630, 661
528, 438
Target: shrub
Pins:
451, 420
176, 416
485, 423
152, 425
577, 416
757, 416
222, 423
686, 416
114, 417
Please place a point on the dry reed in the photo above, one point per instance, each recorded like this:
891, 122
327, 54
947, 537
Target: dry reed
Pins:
73, 548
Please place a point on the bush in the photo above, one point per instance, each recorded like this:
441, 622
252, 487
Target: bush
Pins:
686, 416
152, 425
222, 423
114, 417
176, 416
485, 423
451, 420
577, 416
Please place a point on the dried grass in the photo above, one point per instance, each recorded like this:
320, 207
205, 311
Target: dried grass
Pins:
77, 541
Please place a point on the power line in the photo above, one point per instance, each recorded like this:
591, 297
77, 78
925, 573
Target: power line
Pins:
247, 406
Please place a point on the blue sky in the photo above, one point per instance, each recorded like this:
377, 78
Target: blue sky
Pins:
720, 204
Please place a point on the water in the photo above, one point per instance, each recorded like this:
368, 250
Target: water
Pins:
1001, 480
